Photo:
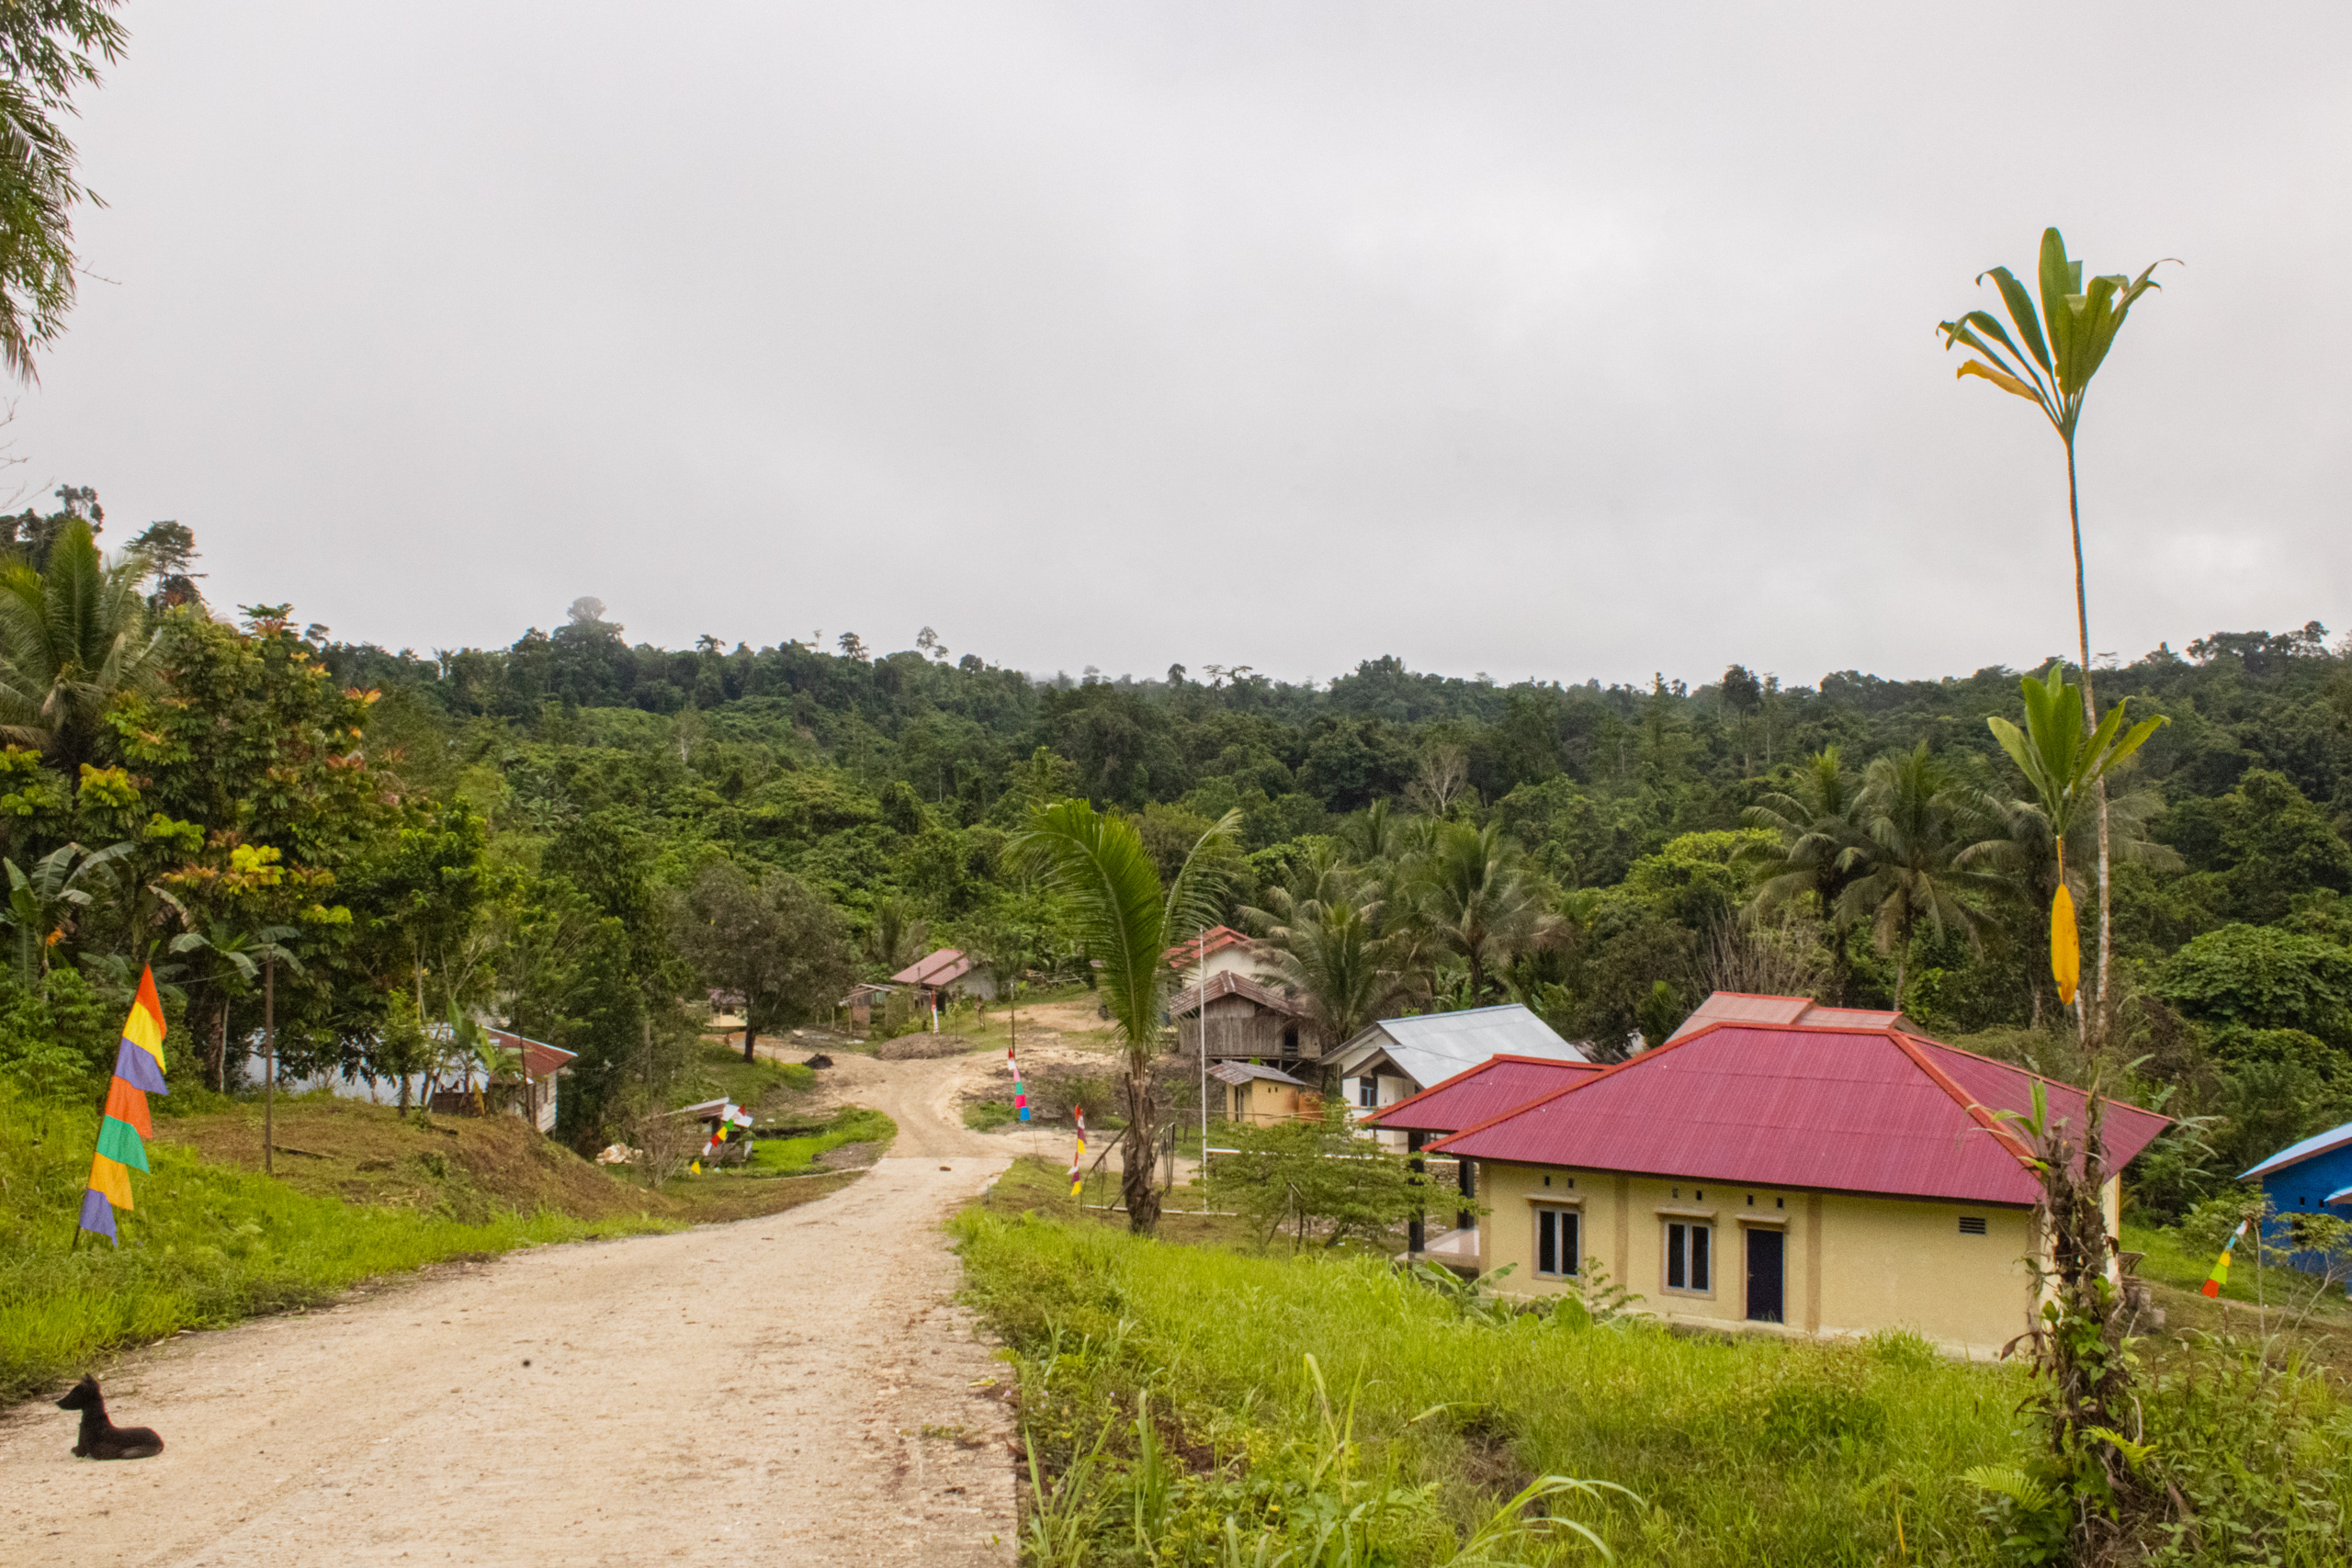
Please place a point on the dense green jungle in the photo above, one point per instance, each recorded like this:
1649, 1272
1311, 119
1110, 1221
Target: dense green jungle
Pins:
550, 833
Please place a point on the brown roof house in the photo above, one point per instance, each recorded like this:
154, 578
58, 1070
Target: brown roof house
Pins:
1241, 1019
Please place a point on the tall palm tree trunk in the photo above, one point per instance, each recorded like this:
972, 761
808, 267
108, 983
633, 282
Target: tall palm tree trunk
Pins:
1136, 1164
2094, 1015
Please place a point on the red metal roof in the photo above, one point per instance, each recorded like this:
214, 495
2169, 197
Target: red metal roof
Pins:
1496, 1085
1232, 982
943, 967
1843, 1110
1749, 1007
539, 1059
1216, 939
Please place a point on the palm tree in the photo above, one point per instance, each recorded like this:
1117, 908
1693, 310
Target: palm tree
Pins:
73, 638
239, 955
1917, 820
1819, 830
2052, 371
1472, 894
1323, 936
2066, 760
1128, 920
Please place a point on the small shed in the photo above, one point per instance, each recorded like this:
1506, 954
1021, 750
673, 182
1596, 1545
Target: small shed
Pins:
1239, 1017
862, 1002
950, 972
1259, 1095
2312, 1176
531, 1097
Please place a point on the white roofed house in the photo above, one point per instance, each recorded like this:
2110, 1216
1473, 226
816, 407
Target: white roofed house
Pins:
1260, 1096
1398, 1057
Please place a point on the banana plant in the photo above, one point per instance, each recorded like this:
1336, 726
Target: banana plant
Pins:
2050, 364
42, 902
2066, 760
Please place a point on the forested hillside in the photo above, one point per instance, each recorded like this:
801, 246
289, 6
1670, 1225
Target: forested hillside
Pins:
562, 833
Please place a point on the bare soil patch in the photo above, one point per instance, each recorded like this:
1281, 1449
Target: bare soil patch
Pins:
921, 1047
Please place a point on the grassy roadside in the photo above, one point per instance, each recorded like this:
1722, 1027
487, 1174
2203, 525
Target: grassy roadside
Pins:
1171, 1393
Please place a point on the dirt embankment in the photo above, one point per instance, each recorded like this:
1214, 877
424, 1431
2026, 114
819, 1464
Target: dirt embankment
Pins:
468, 1167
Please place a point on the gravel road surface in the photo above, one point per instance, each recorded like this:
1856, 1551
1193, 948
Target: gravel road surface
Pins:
793, 1390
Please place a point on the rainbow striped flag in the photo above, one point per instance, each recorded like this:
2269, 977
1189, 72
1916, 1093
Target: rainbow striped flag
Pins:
1020, 1089
2221, 1274
138, 1073
1078, 1158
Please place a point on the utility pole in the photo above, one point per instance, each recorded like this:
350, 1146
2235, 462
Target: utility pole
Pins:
1201, 969
269, 1057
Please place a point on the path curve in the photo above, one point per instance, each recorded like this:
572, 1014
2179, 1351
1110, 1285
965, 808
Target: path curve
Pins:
794, 1389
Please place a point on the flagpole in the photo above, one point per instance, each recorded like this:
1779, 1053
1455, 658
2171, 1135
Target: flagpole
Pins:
1201, 967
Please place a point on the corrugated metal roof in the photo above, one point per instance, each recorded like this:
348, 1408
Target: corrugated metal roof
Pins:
1498, 1085
1844, 1109
1232, 982
1216, 939
941, 968
1749, 1007
1432, 1047
2295, 1154
542, 1060
1238, 1073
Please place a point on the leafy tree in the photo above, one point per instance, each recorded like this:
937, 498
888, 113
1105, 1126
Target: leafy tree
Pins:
771, 939
42, 903
73, 641
1316, 1173
2052, 371
1128, 919
2260, 977
47, 48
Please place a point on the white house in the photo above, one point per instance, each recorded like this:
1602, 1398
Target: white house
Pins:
1401, 1057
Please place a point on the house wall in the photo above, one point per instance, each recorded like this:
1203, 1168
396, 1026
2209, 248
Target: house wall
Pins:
1237, 1027
1261, 1103
1388, 1087
2302, 1189
1850, 1265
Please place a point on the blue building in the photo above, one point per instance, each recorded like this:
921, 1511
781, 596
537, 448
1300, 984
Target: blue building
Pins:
2314, 1176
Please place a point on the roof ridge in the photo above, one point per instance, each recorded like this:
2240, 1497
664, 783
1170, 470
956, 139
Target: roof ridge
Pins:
1608, 1070
2002, 1135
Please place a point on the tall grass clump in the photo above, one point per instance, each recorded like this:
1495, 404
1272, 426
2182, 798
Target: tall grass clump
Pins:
206, 1245
1277, 1395
1186, 1405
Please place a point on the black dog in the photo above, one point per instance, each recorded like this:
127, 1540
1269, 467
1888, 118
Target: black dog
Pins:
101, 1438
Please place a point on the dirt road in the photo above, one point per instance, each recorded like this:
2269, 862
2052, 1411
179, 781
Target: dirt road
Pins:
798, 1389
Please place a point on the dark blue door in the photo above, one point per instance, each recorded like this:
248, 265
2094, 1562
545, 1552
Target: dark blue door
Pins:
1766, 1249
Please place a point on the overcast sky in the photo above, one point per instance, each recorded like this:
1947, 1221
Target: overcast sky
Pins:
1552, 340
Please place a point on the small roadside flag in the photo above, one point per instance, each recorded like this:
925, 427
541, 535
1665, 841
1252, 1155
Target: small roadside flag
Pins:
2221, 1274
1020, 1089
138, 1073
1077, 1157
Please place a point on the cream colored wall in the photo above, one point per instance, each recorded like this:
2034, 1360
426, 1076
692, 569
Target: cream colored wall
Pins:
1850, 1265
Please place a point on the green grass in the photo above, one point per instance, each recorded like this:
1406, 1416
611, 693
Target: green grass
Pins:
206, 1245
720, 1070
988, 1115
786, 1156
1740, 1451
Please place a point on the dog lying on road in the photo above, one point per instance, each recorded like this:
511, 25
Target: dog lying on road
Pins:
101, 1438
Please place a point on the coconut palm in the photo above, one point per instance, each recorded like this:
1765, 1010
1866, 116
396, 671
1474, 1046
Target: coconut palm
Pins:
1917, 819
2061, 348
1472, 894
1128, 920
1322, 935
73, 638
1817, 823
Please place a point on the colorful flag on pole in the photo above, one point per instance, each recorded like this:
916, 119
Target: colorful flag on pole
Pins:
2221, 1274
138, 1073
730, 1116
1020, 1089
1077, 1157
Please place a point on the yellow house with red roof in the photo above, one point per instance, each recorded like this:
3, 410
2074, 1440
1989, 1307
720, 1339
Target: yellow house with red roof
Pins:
1785, 1178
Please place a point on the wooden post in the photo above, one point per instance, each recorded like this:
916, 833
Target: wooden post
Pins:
1417, 1229
269, 1058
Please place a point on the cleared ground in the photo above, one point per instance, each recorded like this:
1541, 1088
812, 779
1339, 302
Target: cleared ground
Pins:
798, 1388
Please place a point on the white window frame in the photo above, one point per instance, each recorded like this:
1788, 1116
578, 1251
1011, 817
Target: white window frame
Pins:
1574, 1261
1688, 1224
